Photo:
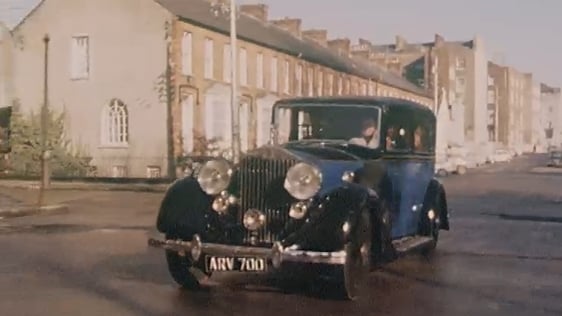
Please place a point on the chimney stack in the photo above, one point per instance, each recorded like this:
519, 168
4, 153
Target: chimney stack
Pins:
292, 26
320, 36
400, 43
439, 40
258, 11
341, 45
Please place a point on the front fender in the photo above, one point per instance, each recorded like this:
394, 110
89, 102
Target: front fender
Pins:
324, 230
184, 210
436, 191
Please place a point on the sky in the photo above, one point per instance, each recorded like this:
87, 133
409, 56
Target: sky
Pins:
518, 33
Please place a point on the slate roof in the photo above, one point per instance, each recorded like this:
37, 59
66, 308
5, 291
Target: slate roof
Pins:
364, 100
198, 12
12, 12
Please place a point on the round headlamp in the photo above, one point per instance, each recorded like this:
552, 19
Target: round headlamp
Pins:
214, 176
303, 181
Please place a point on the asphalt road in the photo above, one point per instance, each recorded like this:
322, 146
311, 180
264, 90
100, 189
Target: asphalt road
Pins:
503, 256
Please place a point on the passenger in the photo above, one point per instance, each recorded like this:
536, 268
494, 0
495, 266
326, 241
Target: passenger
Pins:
369, 135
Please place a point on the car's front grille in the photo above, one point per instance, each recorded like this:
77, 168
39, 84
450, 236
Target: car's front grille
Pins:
261, 187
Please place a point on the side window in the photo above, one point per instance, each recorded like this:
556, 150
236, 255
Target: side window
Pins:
398, 133
424, 135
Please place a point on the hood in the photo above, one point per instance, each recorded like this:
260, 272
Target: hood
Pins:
332, 162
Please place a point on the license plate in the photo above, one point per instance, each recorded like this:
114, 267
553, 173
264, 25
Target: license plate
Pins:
238, 264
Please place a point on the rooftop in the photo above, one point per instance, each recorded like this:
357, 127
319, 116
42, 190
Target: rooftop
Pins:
199, 12
355, 100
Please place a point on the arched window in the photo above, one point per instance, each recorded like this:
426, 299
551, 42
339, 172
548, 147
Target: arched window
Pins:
115, 123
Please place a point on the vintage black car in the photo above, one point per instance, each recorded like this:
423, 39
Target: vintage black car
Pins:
346, 183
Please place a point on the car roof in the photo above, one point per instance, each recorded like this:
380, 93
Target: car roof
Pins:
362, 100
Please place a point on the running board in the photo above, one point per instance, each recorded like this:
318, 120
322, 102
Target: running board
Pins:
410, 243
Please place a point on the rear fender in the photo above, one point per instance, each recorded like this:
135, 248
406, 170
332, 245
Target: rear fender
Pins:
436, 192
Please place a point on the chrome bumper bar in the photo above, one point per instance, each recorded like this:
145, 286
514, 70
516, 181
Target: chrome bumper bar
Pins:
277, 254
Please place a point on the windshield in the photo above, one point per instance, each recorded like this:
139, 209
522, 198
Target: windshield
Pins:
357, 125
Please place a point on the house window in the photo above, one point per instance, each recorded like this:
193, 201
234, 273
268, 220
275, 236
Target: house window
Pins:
330, 84
298, 77
153, 172
119, 171
80, 57
209, 69
115, 124
363, 89
320, 83
460, 63
227, 66
310, 81
243, 67
217, 119
371, 90
286, 87
259, 71
347, 86
274, 75
187, 53
187, 113
244, 125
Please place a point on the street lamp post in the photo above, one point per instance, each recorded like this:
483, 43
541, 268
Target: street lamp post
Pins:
234, 102
45, 175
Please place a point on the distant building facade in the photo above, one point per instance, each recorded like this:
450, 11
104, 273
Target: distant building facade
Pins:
551, 102
458, 69
145, 86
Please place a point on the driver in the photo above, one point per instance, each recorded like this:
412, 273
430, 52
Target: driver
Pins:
369, 135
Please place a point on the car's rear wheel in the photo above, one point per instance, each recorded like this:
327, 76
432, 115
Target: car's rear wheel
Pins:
352, 276
461, 170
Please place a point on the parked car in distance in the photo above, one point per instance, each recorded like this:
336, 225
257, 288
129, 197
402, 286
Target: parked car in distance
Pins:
555, 158
501, 155
325, 193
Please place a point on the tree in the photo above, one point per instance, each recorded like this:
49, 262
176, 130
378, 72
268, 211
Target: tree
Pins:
25, 140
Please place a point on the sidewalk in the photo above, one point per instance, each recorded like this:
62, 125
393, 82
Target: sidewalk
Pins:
14, 204
90, 186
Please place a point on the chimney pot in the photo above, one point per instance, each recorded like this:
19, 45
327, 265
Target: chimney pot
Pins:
258, 11
318, 35
290, 25
341, 45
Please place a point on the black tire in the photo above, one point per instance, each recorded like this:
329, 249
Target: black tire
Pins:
382, 250
352, 276
180, 270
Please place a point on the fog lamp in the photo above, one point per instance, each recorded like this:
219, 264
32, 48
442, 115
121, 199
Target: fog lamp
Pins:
220, 205
254, 219
298, 210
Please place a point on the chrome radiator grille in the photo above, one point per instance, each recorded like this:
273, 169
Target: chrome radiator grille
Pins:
261, 187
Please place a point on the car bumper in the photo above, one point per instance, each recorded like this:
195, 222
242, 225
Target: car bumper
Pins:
276, 255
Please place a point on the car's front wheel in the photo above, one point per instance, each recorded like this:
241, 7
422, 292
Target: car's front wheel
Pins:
352, 276
181, 269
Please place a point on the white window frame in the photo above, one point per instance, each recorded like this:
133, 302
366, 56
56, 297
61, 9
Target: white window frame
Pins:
115, 124
80, 57
227, 64
330, 84
363, 88
310, 81
245, 120
320, 83
209, 60
286, 85
273, 84
188, 122
243, 67
298, 78
259, 71
340, 85
187, 53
